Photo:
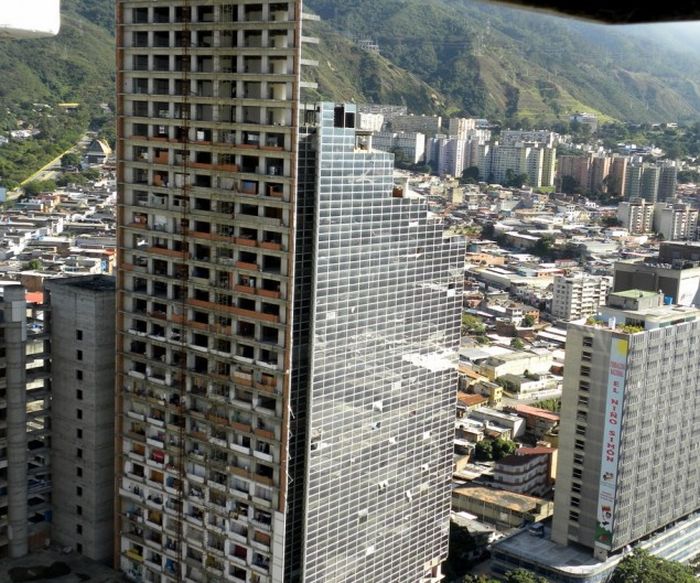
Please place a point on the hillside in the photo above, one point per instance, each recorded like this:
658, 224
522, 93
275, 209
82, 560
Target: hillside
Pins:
347, 73
504, 63
437, 56
76, 66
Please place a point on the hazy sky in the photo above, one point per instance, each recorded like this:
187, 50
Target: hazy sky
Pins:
30, 15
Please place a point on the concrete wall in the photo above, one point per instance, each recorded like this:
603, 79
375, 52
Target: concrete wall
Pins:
82, 340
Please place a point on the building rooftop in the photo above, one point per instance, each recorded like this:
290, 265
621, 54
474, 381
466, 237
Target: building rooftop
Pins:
95, 283
536, 412
470, 400
634, 293
503, 498
514, 460
542, 550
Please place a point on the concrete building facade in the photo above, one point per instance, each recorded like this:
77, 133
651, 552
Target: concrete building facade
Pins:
25, 473
251, 231
579, 296
626, 468
675, 221
82, 413
411, 145
676, 273
637, 215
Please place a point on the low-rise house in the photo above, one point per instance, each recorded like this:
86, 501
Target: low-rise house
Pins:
537, 421
504, 424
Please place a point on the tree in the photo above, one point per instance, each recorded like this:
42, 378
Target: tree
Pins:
611, 222
523, 576
472, 325
543, 247
517, 344
642, 567
37, 186
501, 447
35, 265
71, 159
470, 175
483, 450
528, 321
488, 231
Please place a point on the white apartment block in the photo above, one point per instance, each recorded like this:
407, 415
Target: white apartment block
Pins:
578, 296
637, 216
411, 145
675, 221
461, 127
423, 124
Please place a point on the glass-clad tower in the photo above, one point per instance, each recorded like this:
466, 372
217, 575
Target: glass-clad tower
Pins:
384, 334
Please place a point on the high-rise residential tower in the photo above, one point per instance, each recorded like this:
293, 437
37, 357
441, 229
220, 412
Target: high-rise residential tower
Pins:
285, 323
82, 413
626, 468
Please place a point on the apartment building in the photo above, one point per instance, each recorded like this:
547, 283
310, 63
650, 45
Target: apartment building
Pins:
25, 473
578, 168
82, 314
410, 145
289, 325
525, 472
428, 125
626, 468
462, 128
637, 215
449, 155
668, 180
675, 221
579, 295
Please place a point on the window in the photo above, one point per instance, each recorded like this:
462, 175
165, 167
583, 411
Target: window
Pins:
79, 452
79, 413
79, 394
79, 375
577, 473
79, 548
79, 471
579, 444
78, 490
79, 529
79, 354
78, 334
575, 501
79, 510
573, 515
79, 433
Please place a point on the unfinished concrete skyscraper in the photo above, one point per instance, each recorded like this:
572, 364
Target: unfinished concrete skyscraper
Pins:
233, 217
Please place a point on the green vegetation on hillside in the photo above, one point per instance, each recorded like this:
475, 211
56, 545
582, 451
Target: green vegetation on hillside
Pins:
347, 73
76, 66
519, 66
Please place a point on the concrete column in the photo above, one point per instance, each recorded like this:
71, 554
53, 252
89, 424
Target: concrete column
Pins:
15, 310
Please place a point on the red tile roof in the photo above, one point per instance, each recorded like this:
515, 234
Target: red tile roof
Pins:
470, 400
536, 412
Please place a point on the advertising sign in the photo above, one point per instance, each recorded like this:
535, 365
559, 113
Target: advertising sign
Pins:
611, 443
